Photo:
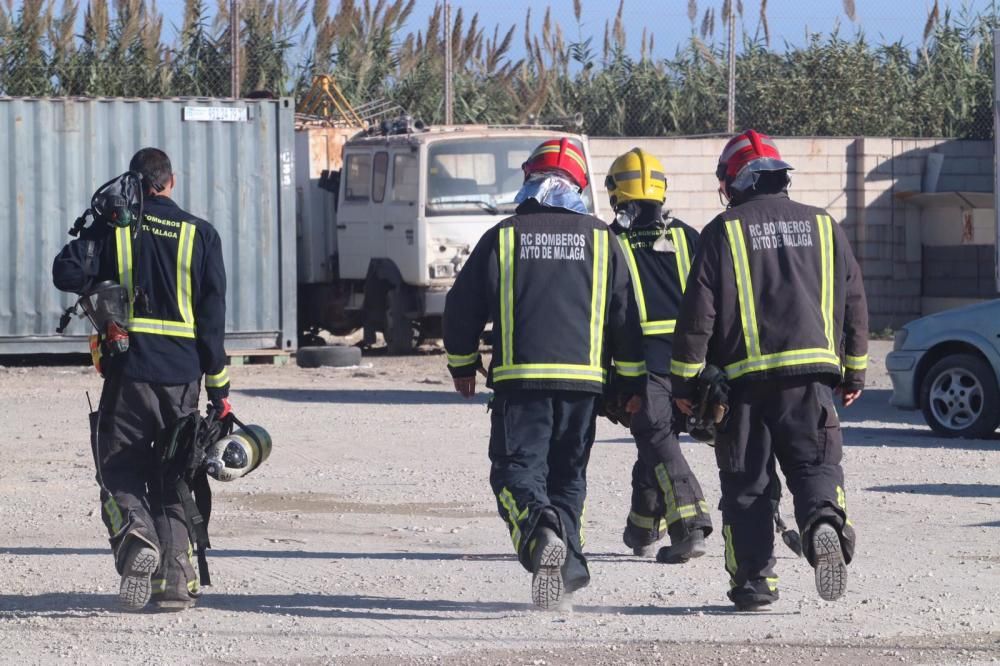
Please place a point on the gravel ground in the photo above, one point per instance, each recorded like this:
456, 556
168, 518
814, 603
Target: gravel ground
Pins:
371, 535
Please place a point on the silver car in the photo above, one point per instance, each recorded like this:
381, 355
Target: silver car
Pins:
948, 365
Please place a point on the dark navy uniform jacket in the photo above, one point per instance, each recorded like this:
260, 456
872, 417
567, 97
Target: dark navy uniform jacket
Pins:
177, 285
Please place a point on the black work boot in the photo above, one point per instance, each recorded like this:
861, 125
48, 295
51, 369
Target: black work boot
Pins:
640, 540
548, 553
689, 547
828, 562
175, 586
141, 560
754, 595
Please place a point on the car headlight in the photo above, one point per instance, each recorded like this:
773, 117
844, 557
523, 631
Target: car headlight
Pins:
899, 339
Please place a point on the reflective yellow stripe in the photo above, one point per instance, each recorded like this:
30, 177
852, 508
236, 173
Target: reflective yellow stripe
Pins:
755, 361
598, 296
583, 522
841, 498
686, 370
647, 522
159, 585
731, 566
549, 371
513, 516
555, 149
630, 369
686, 511
826, 278
856, 362
185, 252
744, 287
160, 327
783, 360
683, 256
662, 327
185, 303
633, 269
507, 293
667, 488
217, 380
458, 360
123, 245
772, 583
114, 514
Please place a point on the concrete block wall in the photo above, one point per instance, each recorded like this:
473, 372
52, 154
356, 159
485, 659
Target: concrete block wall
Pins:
855, 179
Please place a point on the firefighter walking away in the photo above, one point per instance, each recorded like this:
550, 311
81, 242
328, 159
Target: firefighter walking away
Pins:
170, 262
666, 496
775, 299
555, 284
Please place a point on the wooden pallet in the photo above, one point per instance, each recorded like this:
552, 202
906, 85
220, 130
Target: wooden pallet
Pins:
258, 357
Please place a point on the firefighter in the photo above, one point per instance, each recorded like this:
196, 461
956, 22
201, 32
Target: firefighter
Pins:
173, 270
775, 298
555, 284
666, 496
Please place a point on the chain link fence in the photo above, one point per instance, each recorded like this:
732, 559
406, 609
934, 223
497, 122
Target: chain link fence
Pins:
799, 70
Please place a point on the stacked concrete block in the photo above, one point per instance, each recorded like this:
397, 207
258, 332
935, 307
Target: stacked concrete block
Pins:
857, 179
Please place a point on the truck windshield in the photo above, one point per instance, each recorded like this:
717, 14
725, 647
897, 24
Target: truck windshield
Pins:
479, 176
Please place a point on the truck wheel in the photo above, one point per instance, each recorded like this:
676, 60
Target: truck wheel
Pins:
400, 335
334, 356
959, 397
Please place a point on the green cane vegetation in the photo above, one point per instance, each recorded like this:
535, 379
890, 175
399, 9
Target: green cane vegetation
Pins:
536, 70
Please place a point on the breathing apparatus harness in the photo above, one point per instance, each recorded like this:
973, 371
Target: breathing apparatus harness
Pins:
180, 453
117, 204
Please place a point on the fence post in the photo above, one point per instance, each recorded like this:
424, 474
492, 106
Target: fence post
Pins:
449, 101
234, 47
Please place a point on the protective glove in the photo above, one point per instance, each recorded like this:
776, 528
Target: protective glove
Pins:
222, 408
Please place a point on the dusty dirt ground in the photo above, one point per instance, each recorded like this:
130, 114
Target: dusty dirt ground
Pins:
370, 536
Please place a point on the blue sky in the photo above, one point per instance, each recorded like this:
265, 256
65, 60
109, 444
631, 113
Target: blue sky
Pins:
881, 20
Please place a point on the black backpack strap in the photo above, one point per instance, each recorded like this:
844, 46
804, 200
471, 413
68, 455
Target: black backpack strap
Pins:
196, 499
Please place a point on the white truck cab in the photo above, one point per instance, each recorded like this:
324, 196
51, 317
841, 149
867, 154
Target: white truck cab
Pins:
412, 204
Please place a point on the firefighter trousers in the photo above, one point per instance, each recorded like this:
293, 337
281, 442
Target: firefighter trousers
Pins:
540, 444
666, 496
793, 420
135, 502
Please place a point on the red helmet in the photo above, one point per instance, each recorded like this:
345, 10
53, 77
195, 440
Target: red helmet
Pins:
746, 155
558, 155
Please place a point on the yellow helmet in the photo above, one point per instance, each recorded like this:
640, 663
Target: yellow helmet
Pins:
636, 176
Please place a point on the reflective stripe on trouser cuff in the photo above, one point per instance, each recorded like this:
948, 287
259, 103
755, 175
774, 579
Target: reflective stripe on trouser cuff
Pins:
646, 522
731, 565
513, 517
549, 371
687, 511
682, 369
662, 327
114, 514
856, 362
630, 369
782, 360
217, 380
460, 360
161, 327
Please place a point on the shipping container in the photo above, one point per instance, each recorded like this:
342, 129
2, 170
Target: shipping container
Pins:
234, 162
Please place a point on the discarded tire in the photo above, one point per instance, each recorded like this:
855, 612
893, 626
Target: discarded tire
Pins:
333, 356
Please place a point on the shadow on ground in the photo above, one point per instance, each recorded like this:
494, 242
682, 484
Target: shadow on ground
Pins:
942, 489
280, 554
334, 606
364, 397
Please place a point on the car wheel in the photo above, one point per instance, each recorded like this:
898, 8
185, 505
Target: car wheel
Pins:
959, 397
335, 356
